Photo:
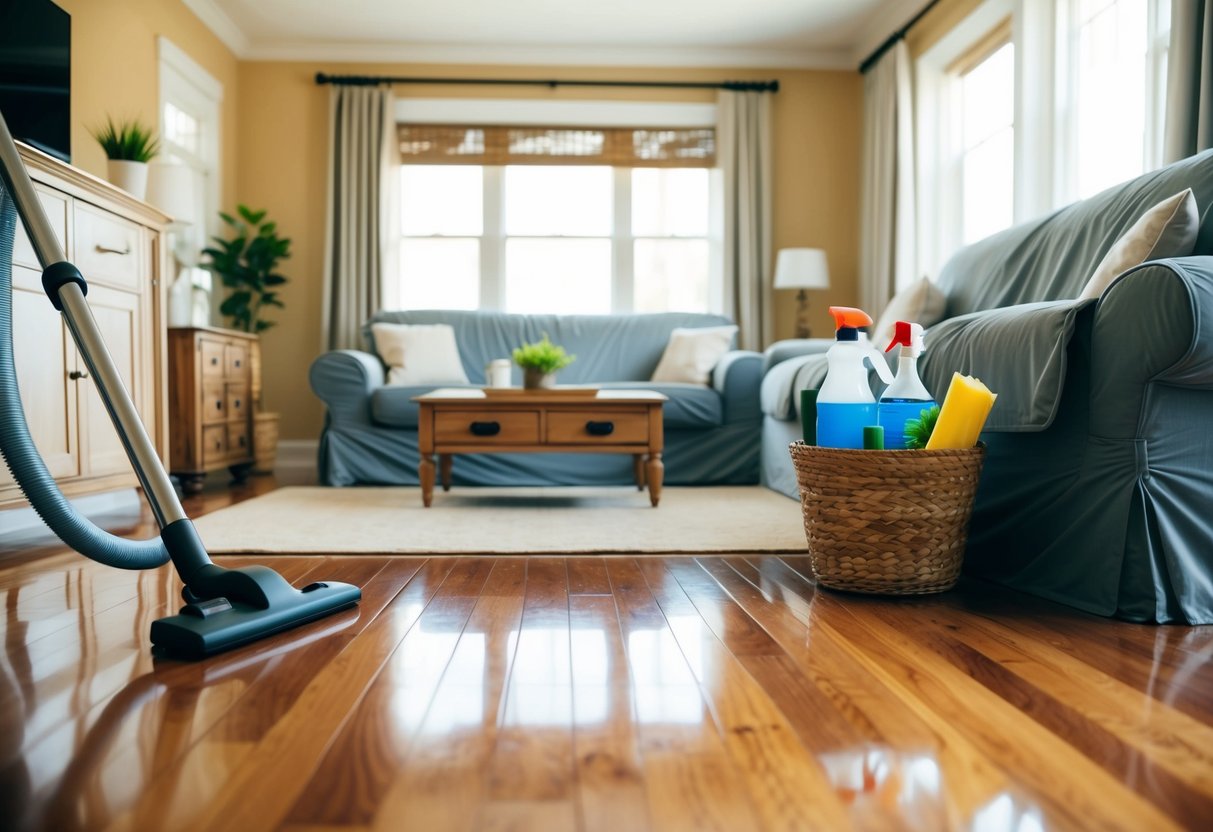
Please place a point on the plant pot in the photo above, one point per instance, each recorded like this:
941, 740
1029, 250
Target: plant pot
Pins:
536, 380
129, 176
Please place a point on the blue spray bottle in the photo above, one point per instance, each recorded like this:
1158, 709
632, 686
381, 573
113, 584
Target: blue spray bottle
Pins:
906, 397
845, 404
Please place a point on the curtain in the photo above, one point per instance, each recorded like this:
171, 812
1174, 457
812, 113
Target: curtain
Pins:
360, 234
1189, 117
886, 202
743, 142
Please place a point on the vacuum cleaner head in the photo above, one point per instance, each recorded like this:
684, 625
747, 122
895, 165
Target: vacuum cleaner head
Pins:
238, 606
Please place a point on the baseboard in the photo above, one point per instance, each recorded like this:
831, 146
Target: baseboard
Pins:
21, 526
296, 462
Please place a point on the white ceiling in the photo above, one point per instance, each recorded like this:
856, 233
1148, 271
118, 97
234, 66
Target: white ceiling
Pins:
719, 33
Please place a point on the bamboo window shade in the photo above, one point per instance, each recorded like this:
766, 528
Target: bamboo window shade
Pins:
633, 147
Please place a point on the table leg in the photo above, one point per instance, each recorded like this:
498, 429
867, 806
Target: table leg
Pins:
444, 470
425, 473
638, 470
655, 472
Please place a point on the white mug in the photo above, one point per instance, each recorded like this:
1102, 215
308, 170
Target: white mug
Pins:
497, 373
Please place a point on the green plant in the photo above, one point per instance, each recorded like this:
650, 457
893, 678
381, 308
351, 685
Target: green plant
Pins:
129, 141
543, 356
246, 264
919, 430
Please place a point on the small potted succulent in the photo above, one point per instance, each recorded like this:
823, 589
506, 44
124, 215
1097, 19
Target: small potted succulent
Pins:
540, 362
128, 146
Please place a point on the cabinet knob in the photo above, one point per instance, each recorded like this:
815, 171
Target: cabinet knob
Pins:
214, 361
76, 375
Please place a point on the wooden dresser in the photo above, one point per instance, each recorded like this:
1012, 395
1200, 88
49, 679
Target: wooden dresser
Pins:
210, 403
118, 244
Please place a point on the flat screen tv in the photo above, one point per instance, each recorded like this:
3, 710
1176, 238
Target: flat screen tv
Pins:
35, 74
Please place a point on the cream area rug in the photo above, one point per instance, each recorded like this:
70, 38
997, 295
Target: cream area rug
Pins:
563, 520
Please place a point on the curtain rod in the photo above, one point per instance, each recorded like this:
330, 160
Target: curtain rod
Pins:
871, 60
374, 80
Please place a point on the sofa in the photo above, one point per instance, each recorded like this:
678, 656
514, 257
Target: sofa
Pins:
712, 433
1097, 489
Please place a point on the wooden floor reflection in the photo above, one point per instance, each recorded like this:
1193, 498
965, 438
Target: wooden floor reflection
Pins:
598, 693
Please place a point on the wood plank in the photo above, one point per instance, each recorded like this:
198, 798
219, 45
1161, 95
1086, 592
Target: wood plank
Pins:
588, 576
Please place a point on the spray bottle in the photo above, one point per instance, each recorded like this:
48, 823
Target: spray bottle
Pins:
906, 397
845, 404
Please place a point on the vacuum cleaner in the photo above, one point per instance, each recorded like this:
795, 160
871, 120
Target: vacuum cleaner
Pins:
224, 608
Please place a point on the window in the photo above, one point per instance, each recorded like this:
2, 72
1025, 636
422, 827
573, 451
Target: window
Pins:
986, 120
565, 238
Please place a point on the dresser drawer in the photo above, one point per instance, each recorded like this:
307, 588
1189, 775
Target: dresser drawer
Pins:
487, 427
237, 401
235, 361
214, 402
214, 444
55, 207
107, 247
212, 358
607, 428
239, 443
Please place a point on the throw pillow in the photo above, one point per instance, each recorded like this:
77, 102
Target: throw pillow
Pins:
922, 302
690, 354
419, 354
1166, 230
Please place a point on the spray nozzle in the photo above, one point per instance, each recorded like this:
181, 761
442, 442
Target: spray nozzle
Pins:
907, 334
849, 316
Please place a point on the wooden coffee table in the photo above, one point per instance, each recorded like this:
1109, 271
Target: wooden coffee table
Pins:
469, 421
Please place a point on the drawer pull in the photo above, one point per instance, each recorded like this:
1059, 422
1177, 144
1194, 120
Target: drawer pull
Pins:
236, 404
485, 428
219, 404
108, 250
599, 428
76, 375
214, 361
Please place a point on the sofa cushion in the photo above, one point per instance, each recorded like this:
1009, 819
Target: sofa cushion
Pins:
689, 405
419, 354
691, 354
1166, 230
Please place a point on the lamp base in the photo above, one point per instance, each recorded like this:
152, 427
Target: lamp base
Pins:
802, 314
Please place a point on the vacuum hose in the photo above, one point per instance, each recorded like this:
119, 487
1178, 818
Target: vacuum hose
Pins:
22, 457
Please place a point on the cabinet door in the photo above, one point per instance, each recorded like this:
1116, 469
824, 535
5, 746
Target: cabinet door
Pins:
119, 316
43, 354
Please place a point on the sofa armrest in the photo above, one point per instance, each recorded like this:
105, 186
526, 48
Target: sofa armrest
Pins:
736, 377
1154, 324
344, 380
781, 351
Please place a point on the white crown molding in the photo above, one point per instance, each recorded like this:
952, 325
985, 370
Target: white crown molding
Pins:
221, 24
881, 23
422, 53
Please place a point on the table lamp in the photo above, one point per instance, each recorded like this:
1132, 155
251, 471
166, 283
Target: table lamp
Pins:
802, 268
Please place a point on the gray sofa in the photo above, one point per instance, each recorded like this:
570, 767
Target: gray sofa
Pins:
1098, 485
711, 433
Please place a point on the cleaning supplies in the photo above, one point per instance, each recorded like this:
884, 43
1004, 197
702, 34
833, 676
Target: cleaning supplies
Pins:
905, 398
845, 404
963, 414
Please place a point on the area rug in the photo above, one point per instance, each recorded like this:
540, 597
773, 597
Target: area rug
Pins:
565, 520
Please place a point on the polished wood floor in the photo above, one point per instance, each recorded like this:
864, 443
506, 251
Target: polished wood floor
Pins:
597, 693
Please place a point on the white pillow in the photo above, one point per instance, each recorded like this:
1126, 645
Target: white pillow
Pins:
691, 354
921, 302
1166, 230
419, 354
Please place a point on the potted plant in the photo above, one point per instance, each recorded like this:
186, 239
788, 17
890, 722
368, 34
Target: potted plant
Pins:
247, 264
540, 362
128, 146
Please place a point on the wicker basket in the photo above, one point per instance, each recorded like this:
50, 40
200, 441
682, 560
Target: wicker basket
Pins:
886, 522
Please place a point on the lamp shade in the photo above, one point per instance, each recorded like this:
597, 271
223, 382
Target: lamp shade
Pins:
802, 268
170, 187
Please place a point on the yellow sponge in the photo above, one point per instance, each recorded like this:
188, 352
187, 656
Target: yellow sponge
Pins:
962, 415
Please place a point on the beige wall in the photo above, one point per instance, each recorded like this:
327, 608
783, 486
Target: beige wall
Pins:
115, 71
283, 126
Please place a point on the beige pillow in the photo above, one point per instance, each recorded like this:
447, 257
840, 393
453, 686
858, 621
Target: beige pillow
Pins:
691, 354
1166, 230
922, 302
419, 354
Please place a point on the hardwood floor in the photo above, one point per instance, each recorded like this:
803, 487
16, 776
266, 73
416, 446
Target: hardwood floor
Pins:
596, 693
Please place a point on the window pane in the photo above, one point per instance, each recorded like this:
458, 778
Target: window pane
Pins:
442, 199
439, 274
988, 92
558, 276
558, 200
670, 202
671, 276
180, 128
988, 183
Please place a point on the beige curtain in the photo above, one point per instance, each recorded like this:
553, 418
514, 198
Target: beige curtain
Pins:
360, 234
886, 202
1189, 117
743, 139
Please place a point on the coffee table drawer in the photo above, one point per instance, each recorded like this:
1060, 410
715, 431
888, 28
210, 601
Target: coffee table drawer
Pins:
587, 428
487, 426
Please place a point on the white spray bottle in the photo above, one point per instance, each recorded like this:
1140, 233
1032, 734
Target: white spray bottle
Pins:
906, 397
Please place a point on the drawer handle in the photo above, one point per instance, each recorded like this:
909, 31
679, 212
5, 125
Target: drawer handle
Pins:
214, 361
76, 375
108, 250
236, 404
219, 404
236, 362
599, 428
485, 428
